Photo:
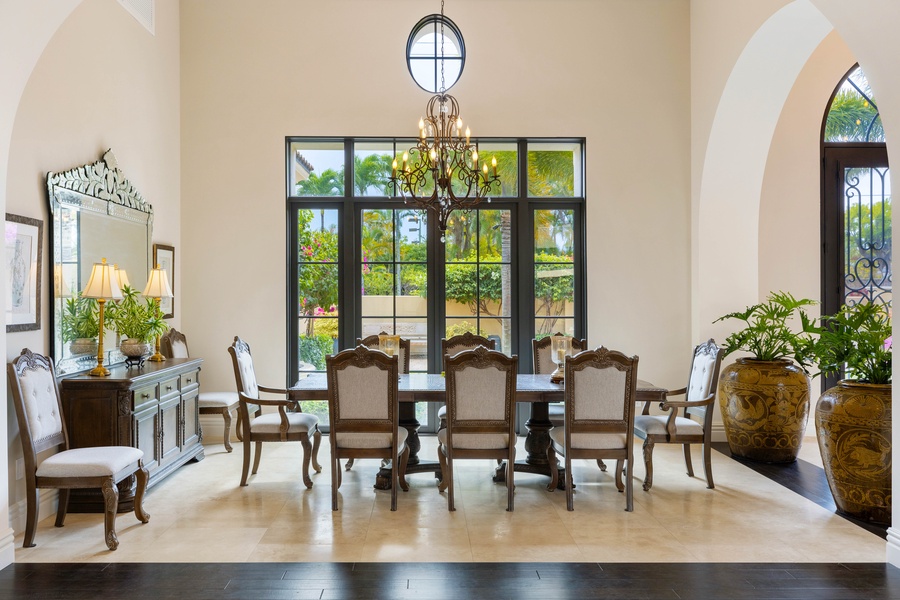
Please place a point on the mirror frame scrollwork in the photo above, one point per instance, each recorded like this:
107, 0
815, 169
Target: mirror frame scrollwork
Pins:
103, 190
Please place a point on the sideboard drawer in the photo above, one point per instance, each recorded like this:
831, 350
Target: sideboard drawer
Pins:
190, 380
168, 388
145, 395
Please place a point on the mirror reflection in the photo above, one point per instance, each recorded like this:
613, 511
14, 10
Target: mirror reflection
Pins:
96, 214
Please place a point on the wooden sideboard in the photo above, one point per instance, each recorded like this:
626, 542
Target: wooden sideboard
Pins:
153, 408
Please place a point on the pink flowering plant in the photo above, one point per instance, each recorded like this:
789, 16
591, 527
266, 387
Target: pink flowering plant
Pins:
856, 340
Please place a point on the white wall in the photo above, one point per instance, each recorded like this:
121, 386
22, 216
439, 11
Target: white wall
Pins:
87, 93
614, 72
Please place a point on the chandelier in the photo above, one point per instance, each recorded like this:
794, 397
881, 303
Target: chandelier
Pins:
443, 172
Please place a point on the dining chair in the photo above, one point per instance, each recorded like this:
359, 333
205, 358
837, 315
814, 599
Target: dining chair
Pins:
599, 404
451, 347
695, 427
42, 427
364, 414
280, 426
481, 401
173, 344
372, 341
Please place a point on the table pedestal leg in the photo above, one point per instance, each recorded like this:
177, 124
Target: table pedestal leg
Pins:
409, 422
537, 440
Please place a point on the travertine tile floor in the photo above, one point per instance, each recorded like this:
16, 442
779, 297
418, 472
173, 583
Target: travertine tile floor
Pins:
201, 514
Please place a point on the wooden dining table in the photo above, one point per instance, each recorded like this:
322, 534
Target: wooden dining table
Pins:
536, 390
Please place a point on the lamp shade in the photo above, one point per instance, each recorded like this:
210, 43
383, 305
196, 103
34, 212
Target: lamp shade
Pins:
158, 285
122, 276
102, 283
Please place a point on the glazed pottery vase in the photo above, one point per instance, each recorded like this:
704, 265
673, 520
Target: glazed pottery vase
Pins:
764, 406
135, 348
84, 346
853, 427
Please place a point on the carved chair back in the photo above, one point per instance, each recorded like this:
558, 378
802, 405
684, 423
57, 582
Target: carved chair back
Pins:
703, 380
372, 342
599, 400
540, 352
173, 344
466, 341
35, 396
481, 388
245, 378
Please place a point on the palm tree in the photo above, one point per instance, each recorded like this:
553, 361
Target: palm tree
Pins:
329, 183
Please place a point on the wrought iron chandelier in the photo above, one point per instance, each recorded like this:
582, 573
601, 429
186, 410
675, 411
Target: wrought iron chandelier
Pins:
443, 172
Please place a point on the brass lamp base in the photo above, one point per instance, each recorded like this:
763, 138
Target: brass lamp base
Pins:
558, 376
157, 357
99, 371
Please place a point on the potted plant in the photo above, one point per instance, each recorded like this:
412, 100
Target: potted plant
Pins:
80, 324
764, 398
138, 323
853, 418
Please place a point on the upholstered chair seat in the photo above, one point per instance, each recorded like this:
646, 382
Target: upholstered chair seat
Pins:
687, 421
364, 414
599, 417
481, 389
287, 424
174, 345
42, 427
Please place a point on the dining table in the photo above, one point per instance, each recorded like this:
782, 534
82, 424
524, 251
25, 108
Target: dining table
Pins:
536, 390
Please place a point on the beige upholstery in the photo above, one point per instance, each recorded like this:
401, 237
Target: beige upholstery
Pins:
174, 345
39, 411
454, 345
364, 414
599, 417
686, 422
287, 424
481, 388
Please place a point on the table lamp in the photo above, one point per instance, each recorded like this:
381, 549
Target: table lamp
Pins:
122, 276
158, 288
102, 284
560, 347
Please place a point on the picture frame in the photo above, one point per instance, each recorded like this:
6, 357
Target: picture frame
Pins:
24, 246
164, 256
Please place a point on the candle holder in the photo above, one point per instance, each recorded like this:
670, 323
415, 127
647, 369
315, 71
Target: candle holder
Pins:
560, 348
388, 344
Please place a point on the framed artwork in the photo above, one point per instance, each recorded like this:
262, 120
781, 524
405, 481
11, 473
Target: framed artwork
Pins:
164, 256
24, 241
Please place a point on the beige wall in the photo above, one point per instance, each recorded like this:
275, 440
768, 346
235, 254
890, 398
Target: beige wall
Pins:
89, 92
614, 72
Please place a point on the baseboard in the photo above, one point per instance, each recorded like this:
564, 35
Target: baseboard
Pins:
718, 433
892, 553
7, 548
19, 511
213, 427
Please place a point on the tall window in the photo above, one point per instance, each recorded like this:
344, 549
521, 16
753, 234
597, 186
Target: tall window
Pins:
856, 200
363, 261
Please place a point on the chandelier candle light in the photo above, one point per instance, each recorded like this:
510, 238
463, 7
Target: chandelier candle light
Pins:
443, 171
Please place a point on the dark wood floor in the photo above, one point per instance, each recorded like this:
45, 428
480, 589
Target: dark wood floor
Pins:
650, 581
450, 580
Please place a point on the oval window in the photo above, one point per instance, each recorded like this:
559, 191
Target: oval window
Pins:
435, 53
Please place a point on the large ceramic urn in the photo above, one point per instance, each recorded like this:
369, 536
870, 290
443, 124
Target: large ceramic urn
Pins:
764, 406
853, 426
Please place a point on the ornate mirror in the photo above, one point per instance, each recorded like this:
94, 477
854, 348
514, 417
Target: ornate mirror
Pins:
96, 214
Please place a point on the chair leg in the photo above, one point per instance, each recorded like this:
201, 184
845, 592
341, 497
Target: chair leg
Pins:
619, 468
340, 475
648, 464
62, 508
707, 466
570, 489
31, 516
307, 451
226, 414
404, 460
246, 470
687, 460
449, 476
257, 457
317, 441
442, 460
395, 479
601, 464
554, 468
349, 464
510, 484
629, 484
142, 477
335, 469
110, 505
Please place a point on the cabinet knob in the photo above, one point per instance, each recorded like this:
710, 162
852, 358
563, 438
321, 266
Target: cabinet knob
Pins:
190, 380
168, 388
145, 396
